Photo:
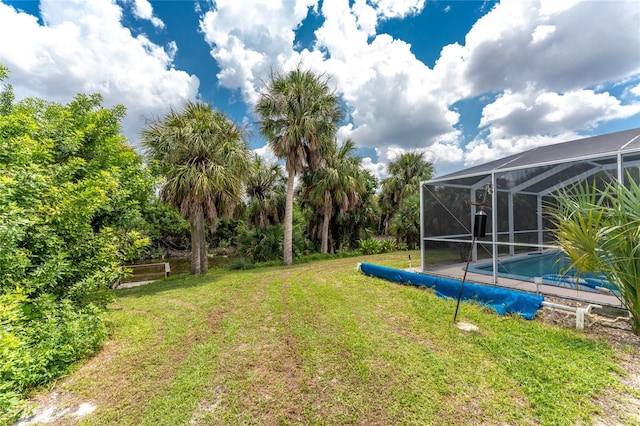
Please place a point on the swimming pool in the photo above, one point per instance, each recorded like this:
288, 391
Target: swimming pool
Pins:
552, 266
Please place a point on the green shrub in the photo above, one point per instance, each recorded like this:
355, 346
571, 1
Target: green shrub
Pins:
39, 341
387, 246
597, 228
240, 264
370, 246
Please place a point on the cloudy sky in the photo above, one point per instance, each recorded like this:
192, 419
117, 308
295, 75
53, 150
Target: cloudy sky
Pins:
465, 81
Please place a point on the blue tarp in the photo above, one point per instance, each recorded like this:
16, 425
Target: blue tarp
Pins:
503, 301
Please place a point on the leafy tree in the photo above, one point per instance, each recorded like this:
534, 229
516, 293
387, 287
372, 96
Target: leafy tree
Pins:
599, 230
6, 95
71, 198
405, 174
299, 114
72, 193
265, 190
203, 156
167, 230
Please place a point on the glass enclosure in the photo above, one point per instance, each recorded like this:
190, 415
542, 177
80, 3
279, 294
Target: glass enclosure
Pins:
514, 197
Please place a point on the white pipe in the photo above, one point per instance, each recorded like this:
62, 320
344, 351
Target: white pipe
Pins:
558, 306
580, 312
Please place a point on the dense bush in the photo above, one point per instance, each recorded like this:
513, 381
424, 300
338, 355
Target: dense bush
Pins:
71, 199
167, 230
262, 244
240, 264
373, 246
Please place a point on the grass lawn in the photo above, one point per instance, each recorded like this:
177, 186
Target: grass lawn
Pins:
319, 343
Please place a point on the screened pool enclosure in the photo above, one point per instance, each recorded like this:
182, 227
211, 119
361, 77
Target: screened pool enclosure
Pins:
513, 192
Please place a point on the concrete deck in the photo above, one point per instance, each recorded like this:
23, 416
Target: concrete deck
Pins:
456, 271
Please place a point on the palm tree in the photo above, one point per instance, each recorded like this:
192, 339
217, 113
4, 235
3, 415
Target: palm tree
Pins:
405, 225
265, 189
203, 156
299, 114
334, 187
405, 174
599, 230
360, 223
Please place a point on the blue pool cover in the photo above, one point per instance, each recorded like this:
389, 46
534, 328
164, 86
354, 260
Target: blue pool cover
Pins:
503, 301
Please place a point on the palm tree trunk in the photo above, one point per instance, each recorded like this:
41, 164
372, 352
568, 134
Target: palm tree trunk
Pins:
197, 232
325, 223
204, 263
288, 220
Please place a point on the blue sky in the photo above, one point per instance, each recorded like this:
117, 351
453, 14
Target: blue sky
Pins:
464, 81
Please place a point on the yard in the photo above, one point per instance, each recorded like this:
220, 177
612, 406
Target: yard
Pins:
320, 343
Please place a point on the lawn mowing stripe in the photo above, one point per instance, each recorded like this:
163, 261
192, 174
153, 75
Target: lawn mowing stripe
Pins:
321, 344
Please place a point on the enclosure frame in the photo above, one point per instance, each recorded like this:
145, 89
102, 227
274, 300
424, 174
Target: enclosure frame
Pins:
543, 170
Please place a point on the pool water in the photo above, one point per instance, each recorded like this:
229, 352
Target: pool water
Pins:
552, 266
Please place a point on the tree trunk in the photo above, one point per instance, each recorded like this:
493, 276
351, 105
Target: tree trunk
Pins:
204, 262
197, 232
288, 220
325, 223
386, 224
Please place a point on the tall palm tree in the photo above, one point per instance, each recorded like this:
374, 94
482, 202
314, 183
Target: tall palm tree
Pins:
405, 174
335, 186
265, 189
299, 115
203, 156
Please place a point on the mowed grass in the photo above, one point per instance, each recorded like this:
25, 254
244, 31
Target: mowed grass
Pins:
320, 343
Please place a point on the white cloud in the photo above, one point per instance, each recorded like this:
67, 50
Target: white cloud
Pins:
577, 46
390, 94
250, 41
481, 151
544, 63
444, 153
546, 66
517, 121
144, 10
535, 112
266, 153
379, 169
398, 8
384, 86
83, 48
542, 32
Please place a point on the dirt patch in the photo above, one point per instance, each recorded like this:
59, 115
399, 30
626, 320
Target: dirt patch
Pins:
611, 325
54, 410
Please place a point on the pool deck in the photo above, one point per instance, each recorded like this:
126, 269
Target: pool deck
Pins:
456, 271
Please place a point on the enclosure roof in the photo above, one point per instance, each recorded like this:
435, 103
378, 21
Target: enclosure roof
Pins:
595, 147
